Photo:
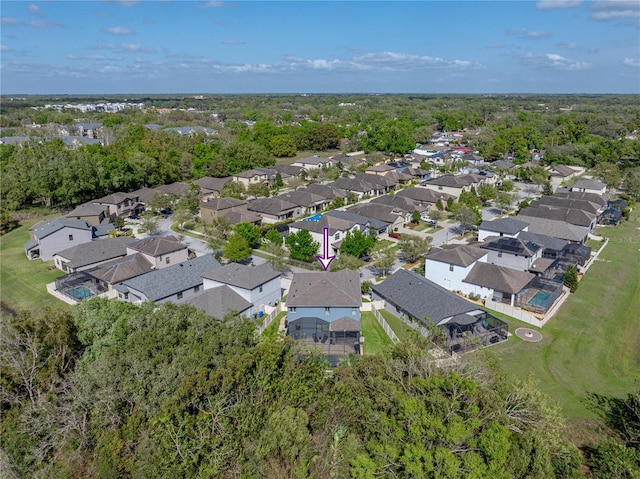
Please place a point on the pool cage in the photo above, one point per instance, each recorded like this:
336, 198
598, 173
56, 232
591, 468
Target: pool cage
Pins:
334, 340
78, 286
539, 295
465, 332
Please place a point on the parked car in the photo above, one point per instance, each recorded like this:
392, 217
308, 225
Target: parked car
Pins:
394, 235
426, 219
166, 212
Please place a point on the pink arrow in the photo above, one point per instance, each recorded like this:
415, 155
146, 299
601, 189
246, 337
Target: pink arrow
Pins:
325, 259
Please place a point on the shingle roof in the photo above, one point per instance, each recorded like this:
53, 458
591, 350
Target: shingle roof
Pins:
515, 246
332, 222
122, 269
339, 289
380, 212
381, 168
554, 228
402, 202
87, 209
589, 184
304, 198
345, 324
385, 181
271, 206
507, 225
498, 278
212, 184
568, 215
424, 194
328, 191
288, 169
459, 255
177, 188
564, 202
562, 170
145, 194
222, 203
116, 198
236, 216
547, 242
314, 160
355, 184
242, 276
359, 219
218, 302
51, 226
95, 251
157, 245
579, 195
455, 181
422, 298
165, 282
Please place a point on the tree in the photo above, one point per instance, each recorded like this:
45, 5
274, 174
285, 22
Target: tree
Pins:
278, 180
547, 189
439, 205
383, 259
413, 247
415, 217
149, 222
218, 232
274, 236
295, 182
504, 200
571, 278
466, 217
258, 189
118, 222
487, 192
233, 189
277, 256
301, 245
436, 215
236, 248
250, 232
357, 244
182, 216
508, 186
336, 202
631, 183
346, 261
158, 201
283, 146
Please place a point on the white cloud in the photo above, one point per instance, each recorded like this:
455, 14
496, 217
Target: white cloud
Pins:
5, 48
86, 57
557, 4
33, 9
632, 62
524, 32
118, 31
553, 61
134, 48
615, 10
41, 24
8, 21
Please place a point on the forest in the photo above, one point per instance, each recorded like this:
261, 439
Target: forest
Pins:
110, 390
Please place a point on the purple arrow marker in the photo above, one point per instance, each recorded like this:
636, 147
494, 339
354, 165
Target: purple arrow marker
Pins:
325, 259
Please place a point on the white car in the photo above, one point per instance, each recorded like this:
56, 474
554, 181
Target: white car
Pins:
426, 219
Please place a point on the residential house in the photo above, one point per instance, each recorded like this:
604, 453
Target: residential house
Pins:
389, 214
380, 169
554, 228
91, 212
337, 227
220, 208
258, 285
310, 203
571, 216
329, 191
448, 267
358, 187
416, 299
210, 186
275, 209
559, 173
403, 203
288, 171
566, 202
51, 236
313, 162
589, 186
91, 254
600, 200
508, 227
174, 190
107, 275
503, 164
425, 195
145, 194
367, 225
235, 216
89, 130
499, 283
120, 204
551, 247
514, 253
160, 251
173, 283
251, 177
218, 302
192, 130
454, 185
323, 312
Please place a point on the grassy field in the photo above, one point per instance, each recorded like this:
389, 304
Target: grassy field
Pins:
376, 340
22, 282
592, 345
397, 325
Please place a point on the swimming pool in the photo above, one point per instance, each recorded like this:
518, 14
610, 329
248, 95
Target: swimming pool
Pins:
80, 293
539, 299
315, 217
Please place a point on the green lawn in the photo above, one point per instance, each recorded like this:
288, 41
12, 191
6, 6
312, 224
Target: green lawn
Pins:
22, 282
376, 340
593, 342
397, 325
272, 329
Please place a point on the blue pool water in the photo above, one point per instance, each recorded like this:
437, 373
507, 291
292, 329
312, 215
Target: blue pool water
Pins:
539, 299
79, 293
314, 217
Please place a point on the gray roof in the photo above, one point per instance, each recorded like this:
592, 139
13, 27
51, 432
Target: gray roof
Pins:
380, 212
165, 282
305, 198
503, 164
547, 242
145, 194
88, 209
177, 188
355, 184
381, 168
580, 195
122, 269
339, 289
564, 202
157, 245
404, 203
271, 206
455, 181
314, 160
516, 246
243, 276
95, 251
51, 226
589, 185
212, 184
115, 198
541, 265
555, 229
459, 255
498, 278
32, 243
421, 298
290, 170
562, 170
222, 203
345, 324
236, 216
381, 181
218, 302
423, 194
568, 215
507, 225
363, 221
328, 191
334, 224
102, 229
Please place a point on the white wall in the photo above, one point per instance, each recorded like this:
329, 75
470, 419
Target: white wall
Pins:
517, 262
441, 274
59, 241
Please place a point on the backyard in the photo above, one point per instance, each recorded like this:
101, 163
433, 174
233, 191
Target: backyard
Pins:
23, 282
592, 345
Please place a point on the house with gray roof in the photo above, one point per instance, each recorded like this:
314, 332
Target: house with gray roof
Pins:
220, 207
338, 229
328, 191
454, 185
210, 186
218, 302
58, 234
91, 254
499, 283
313, 162
571, 216
600, 200
160, 251
91, 212
385, 183
389, 214
168, 284
507, 227
514, 253
414, 298
259, 285
358, 186
564, 202
367, 225
448, 267
176, 189
425, 195
111, 273
555, 228
403, 203
275, 209
119, 204
145, 194
310, 202
589, 186
323, 312
551, 247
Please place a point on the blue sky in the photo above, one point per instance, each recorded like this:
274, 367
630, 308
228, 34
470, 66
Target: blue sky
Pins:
93, 47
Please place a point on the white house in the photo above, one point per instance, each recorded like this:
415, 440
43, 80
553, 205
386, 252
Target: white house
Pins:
513, 253
450, 266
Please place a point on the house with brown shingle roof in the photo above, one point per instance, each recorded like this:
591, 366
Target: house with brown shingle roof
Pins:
220, 208
500, 283
160, 251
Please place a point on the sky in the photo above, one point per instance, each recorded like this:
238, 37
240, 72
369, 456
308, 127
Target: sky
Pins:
155, 47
